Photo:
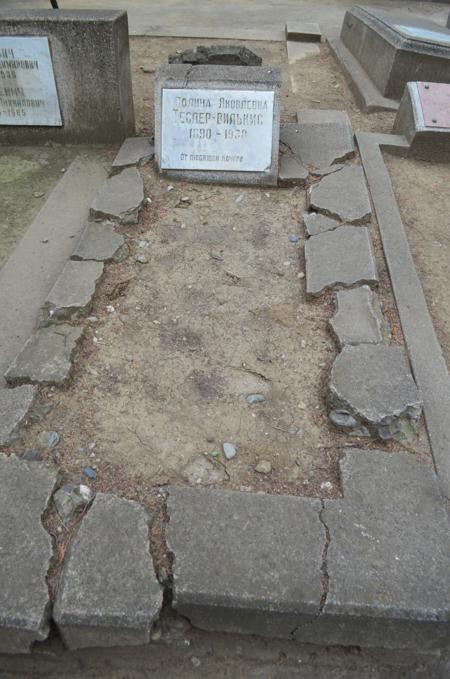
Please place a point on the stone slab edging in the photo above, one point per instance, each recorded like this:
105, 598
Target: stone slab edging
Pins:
425, 353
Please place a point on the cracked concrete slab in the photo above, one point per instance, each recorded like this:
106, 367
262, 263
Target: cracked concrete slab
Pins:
134, 151
71, 296
120, 198
25, 553
46, 357
358, 318
316, 223
245, 563
374, 385
343, 256
291, 171
342, 195
99, 242
109, 594
14, 407
388, 557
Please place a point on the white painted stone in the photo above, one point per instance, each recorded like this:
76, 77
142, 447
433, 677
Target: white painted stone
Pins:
28, 94
206, 129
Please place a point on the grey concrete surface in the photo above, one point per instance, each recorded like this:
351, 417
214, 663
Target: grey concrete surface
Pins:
99, 242
91, 63
425, 353
358, 318
342, 257
46, 357
134, 151
244, 562
71, 296
26, 550
14, 407
316, 223
342, 195
120, 198
108, 593
28, 275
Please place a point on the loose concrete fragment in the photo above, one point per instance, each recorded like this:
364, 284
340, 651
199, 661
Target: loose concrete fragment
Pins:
245, 563
319, 139
388, 556
343, 256
46, 358
99, 243
358, 319
291, 171
14, 407
316, 223
120, 198
296, 30
109, 594
134, 151
374, 384
71, 296
342, 195
25, 552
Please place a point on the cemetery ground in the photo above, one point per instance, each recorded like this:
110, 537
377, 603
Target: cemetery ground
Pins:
208, 309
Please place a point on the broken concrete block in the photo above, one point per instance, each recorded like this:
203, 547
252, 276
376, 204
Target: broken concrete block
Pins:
99, 242
14, 407
342, 195
297, 30
120, 198
373, 384
25, 553
316, 223
358, 318
273, 588
227, 55
109, 594
343, 256
71, 296
319, 138
291, 171
388, 556
46, 358
134, 151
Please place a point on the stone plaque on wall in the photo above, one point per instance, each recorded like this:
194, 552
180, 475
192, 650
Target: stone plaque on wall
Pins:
218, 123
28, 94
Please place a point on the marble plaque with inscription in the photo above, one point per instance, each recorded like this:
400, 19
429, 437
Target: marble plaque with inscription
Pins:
28, 94
212, 129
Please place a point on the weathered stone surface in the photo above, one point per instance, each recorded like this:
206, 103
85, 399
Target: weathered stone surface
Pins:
243, 562
109, 594
358, 318
46, 358
291, 170
14, 407
342, 195
299, 30
99, 242
226, 55
343, 256
25, 552
71, 296
316, 223
374, 384
134, 151
388, 556
120, 198
319, 138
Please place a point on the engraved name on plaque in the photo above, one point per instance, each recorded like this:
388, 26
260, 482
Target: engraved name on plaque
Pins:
28, 94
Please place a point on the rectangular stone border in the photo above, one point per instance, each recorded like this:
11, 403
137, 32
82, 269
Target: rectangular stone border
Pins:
217, 77
428, 363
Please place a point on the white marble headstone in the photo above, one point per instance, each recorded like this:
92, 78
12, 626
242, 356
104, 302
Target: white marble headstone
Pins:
210, 129
28, 94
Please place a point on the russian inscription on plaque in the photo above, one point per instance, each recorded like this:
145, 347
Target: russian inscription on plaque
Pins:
205, 129
28, 94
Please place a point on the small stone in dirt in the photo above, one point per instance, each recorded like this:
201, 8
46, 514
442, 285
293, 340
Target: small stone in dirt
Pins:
38, 194
90, 473
68, 500
263, 467
204, 471
229, 451
141, 259
195, 661
148, 68
342, 418
255, 398
326, 485
48, 439
31, 455
294, 239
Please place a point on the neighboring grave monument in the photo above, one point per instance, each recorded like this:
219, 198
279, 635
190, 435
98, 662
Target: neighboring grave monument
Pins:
65, 76
394, 49
218, 123
424, 119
